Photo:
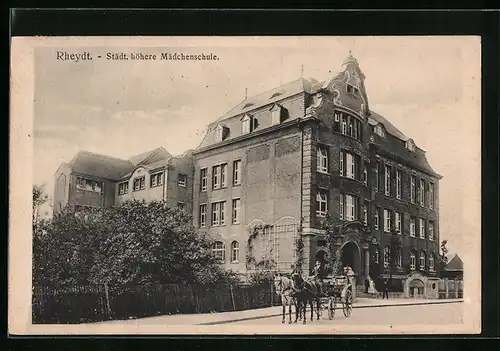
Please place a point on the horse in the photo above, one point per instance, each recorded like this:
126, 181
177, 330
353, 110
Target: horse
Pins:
284, 288
307, 291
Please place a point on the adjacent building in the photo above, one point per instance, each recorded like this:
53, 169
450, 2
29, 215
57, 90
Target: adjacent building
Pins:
281, 161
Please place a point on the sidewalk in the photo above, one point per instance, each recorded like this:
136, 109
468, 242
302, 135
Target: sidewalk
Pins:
237, 316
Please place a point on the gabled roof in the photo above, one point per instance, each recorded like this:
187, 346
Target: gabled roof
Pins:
308, 85
142, 157
101, 166
456, 264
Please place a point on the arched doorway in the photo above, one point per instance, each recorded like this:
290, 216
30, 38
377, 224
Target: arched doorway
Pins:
350, 256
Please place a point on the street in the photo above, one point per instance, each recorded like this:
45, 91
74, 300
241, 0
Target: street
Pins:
442, 314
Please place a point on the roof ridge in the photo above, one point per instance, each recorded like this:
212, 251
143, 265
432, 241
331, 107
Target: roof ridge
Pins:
100, 155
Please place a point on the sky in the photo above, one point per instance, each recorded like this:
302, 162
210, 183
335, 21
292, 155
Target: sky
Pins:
427, 87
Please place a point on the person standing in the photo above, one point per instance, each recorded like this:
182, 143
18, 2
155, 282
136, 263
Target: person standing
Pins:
385, 294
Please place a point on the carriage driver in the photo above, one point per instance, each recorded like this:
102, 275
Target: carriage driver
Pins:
318, 274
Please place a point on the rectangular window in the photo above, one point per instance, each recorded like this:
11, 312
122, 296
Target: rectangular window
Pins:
80, 183
365, 175
398, 184
351, 205
398, 218
431, 230
351, 166
349, 126
237, 172
365, 214
223, 175
321, 203
89, 185
377, 179
236, 211
123, 188
413, 226
412, 261
203, 215
322, 159
216, 177
342, 154
422, 192
139, 183
344, 124
387, 220
203, 179
431, 196
422, 228
156, 179
181, 180
413, 188
218, 213
181, 206
387, 180
341, 207
376, 223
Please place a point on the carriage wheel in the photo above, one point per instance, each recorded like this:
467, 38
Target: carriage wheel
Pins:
347, 304
331, 308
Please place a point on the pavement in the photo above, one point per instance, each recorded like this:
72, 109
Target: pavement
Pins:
262, 313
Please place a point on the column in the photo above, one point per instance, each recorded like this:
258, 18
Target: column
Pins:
367, 263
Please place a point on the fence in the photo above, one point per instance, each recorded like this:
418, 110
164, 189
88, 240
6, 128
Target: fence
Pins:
90, 303
450, 289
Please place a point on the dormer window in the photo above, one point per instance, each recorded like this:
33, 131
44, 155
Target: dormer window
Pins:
247, 124
379, 130
351, 89
220, 133
276, 114
410, 145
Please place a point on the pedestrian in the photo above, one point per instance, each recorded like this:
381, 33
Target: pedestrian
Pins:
385, 294
367, 285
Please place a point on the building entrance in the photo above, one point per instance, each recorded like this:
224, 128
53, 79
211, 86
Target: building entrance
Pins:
350, 256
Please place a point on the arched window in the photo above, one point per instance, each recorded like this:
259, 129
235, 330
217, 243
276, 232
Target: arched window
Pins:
235, 252
431, 262
219, 251
399, 257
422, 260
386, 256
413, 260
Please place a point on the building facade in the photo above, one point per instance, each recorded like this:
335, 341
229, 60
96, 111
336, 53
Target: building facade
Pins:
277, 164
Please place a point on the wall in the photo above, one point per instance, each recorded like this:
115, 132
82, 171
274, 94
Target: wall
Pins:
148, 194
90, 198
175, 193
269, 190
61, 188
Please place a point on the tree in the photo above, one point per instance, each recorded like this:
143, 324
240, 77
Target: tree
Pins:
39, 198
136, 243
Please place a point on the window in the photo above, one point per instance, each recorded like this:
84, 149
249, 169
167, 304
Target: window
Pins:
203, 215
123, 188
379, 130
181, 180
422, 228
344, 124
376, 223
431, 196
203, 179
398, 217
386, 256
276, 115
337, 116
413, 260
341, 207
219, 251
351, 203
431, 230
413, 188
431, 262
387, 180
321, 203
365, 214
237, 172
399, 257
236, 211
342, 163
350, 128
89, 185
377, 165
422, 260
218, 213
80, 183
246, 124
235, 252
421, 192
365, 175
413, 226
219, 173
156, 179
139, 184
219, 134
387, 221
181, 206
322, 159
398, 184
376, 256
351, 166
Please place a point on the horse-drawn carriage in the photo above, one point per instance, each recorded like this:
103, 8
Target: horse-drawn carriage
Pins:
338, 293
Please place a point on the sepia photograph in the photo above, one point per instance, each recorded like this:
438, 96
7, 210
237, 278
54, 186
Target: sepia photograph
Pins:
246, 185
